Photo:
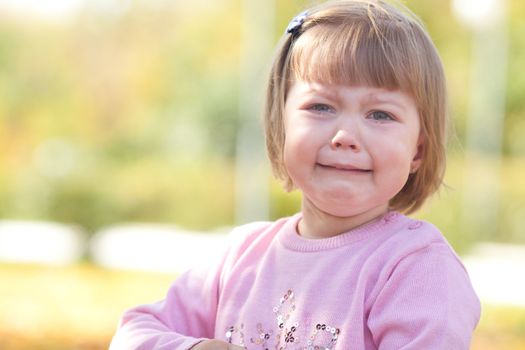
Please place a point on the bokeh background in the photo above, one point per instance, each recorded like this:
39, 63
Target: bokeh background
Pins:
130, 135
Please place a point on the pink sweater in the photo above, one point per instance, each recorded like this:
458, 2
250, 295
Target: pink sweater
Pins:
391, 284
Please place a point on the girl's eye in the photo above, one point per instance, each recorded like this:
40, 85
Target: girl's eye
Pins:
380, 116
321, 108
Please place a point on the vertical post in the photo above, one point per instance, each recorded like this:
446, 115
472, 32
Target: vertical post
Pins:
481, 204
252, 173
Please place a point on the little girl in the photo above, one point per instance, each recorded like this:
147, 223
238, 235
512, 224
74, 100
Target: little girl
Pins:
355, 120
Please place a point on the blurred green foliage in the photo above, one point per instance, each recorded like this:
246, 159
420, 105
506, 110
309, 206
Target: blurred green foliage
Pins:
133, 116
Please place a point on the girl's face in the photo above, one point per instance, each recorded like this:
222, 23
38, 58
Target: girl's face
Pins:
350, 149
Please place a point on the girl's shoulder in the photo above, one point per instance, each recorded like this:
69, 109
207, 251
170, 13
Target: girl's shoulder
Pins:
250, 231
249, 242
414, 232
409, 236
417, 243
258, 233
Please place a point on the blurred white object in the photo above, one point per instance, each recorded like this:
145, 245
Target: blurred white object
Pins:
40, 242
497, 271
479, 13
157, 248
51, 10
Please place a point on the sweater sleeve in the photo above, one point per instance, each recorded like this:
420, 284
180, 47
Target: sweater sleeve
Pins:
184, 318
427, 302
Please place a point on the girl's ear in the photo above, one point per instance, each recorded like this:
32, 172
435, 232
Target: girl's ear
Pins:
418, 157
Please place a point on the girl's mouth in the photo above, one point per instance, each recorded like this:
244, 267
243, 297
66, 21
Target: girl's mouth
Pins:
344, 167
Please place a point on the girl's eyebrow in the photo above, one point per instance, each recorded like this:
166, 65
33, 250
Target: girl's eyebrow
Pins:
380, 98
325, 92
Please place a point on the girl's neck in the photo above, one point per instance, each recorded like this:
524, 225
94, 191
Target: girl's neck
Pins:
316, 224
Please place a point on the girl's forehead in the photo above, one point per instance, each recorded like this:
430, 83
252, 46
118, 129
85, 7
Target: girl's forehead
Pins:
340, 91
333, 88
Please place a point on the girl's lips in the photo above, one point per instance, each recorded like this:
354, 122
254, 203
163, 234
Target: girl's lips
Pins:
347, 167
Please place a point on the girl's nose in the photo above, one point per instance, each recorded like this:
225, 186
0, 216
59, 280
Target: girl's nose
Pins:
344, 139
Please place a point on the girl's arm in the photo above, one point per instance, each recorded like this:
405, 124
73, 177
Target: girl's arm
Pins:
184, 318
426, 303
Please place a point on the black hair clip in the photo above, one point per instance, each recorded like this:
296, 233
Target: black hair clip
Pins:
296, 23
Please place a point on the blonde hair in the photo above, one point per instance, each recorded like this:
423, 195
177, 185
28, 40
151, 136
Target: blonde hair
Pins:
372, 43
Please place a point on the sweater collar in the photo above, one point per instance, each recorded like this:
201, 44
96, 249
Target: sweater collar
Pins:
290, 239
